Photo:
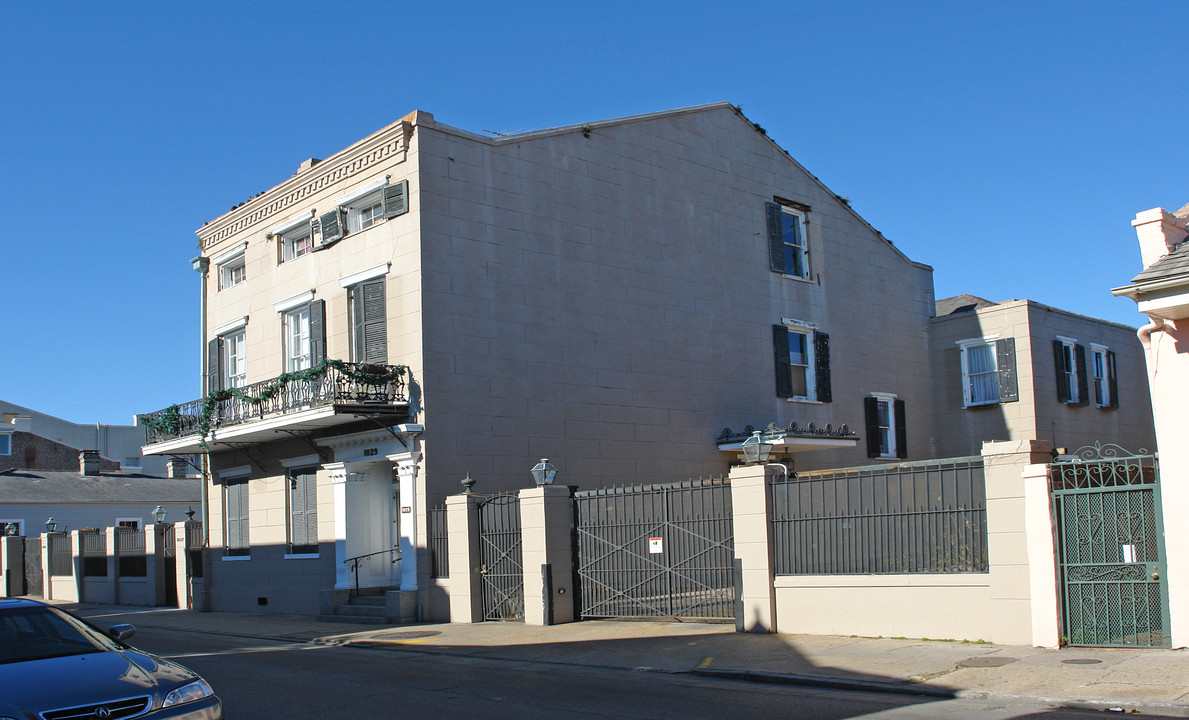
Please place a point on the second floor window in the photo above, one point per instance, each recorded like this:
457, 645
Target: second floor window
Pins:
988, 371
1070, 361
802, 363
297, 339
1106, 384
788, 246
235, 371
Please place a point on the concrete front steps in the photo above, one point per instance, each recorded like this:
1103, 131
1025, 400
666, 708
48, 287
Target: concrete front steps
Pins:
372, 606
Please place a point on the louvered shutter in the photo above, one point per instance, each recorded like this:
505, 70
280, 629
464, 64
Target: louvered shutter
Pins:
317, 331
311, 493
1112, 378
396, 199
901, 430
332, 227
370, 322
1062, 379
214, 365
303, 511
237, 514
784, 367
871, 417
1005, 362
775, 237
1083, 381
821, 361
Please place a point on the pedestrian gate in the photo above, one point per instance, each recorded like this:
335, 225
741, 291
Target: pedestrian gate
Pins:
33, 583
1110, 541
656, 551
500, 553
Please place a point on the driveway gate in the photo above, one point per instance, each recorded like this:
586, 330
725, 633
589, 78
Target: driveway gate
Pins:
33, 584
657, 551
500, 553
1110, 541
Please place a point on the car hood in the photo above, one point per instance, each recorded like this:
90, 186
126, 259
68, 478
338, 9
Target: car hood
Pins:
62, 682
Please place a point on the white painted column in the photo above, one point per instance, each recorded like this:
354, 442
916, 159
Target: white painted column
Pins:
343, 579
1040, 530
406, 472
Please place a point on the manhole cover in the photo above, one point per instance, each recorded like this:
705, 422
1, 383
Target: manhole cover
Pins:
1081, 661
987, 661
403, 635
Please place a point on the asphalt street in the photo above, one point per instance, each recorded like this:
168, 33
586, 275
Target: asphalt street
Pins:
266, 678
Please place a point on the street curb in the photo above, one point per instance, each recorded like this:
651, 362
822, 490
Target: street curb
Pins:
830, 682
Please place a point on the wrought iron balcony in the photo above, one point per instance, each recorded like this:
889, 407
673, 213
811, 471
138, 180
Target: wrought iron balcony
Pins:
311, 396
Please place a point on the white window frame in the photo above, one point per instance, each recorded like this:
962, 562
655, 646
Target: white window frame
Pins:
5, 443
965, 346
20, 523
296, 242
133, 522
132, 462
888, 401
805, 330
228, 263
1070, 355
365, 212
235, 359
297, 339
801, 251
1100, 385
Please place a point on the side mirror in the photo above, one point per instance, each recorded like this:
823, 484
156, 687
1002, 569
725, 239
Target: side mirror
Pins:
122, 632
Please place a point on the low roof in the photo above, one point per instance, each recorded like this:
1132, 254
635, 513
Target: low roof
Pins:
43, 486
960, 303
1174, 264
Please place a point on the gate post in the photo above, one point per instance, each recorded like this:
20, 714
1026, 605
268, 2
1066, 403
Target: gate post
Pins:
181, 565
12, 560
547, 531
1020, 543
750, 508
462, 523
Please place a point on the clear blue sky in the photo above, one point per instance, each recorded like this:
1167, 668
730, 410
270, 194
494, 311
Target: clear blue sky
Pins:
1007, 144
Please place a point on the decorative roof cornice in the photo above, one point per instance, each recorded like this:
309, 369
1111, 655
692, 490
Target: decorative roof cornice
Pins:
375, 148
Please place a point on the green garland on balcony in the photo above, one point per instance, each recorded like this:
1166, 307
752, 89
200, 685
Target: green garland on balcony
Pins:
170, 420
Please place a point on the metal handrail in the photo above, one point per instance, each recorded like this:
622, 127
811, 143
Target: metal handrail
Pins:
357, 558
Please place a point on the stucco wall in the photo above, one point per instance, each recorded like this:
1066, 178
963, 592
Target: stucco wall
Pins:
607, 302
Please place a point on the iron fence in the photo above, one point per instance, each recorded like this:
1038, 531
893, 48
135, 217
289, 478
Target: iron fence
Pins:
130, 552
194, 543
61, 557
919, 517
439, 548
93, 548
335, 387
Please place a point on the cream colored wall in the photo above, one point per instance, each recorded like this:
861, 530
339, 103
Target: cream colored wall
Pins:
607, 302
941, 607
1038, 414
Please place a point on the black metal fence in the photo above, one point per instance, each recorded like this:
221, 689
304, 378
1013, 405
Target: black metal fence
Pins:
194, 540
61, 557
130, 552
919, 517
439, 548
93, 548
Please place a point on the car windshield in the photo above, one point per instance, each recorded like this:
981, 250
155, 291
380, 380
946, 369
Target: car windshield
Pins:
35, 633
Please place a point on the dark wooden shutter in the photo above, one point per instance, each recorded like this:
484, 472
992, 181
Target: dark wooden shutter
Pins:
1059, 363
1083, 381
396, 199
871, 417
370, 322
317, 331
303, 509
214, 365
1005, 362
784, 369
901, 430
1112, 378
775, 237
237, 514
821, 370
332, 227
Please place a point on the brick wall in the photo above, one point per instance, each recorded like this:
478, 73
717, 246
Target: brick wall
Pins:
37, 453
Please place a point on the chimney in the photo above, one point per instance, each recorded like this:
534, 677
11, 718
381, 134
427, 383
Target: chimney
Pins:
176, 468
1159, 232
88, 462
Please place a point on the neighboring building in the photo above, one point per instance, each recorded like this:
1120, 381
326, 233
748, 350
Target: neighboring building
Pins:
609, 295
1161, 291
1021, 370
37, 441
89, 497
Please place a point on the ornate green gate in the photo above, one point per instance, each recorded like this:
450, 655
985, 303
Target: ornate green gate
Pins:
1110, 548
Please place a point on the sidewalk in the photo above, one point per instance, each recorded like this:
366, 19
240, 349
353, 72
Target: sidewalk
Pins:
1149, 681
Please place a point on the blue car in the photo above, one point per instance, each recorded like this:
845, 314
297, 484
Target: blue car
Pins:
56, 666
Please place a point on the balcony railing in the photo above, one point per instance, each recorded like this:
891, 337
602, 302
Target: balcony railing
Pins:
332, 384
